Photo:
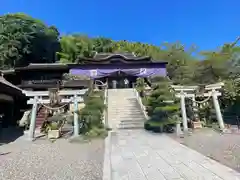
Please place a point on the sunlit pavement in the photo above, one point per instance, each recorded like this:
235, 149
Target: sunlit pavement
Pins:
140, 155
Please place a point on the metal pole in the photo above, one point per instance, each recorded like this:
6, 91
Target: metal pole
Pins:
183, 110
76, 123
218, 110
33, 119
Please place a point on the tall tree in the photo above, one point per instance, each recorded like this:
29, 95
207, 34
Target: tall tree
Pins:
25, 40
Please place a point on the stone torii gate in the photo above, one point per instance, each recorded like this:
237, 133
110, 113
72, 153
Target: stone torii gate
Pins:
190, 92
42, 97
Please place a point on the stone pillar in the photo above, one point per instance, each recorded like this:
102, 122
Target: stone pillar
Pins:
178, 129
218, 110
76, 123
33, 119
183, 110
195, 109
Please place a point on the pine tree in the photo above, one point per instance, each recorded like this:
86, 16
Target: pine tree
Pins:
162, 105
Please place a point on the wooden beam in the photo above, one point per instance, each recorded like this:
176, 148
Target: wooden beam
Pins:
47, 101
61, 93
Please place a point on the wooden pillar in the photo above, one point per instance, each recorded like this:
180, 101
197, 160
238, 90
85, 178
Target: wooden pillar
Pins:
183, 110
218, 110
76, 123
33, 119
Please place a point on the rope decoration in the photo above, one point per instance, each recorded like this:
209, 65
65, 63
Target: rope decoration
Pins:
55, 108
203, 101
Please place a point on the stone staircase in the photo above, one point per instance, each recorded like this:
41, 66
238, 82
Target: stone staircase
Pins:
40, 117
124, 111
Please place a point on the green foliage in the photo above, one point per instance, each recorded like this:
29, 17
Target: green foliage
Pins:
140, 84
54, 122
159, 110
25, 40
91, 115
97, 133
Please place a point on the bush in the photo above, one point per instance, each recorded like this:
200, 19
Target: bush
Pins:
97, 133
91, 115
147, 126
159, 109
159, 127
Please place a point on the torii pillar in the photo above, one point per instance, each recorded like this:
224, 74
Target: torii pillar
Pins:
184, 113
213, 89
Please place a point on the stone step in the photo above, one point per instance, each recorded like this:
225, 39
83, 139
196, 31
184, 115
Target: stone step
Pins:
127, 113
121, 93
123, 96
127, 120
121, 101
133, 124
130, 126
133, 121
132, 110
122, 105
123, 108
125, 116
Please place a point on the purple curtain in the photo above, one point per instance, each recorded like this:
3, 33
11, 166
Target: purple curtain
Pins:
139, 72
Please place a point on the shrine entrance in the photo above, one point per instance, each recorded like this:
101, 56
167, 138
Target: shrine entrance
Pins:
119, 70
119, 80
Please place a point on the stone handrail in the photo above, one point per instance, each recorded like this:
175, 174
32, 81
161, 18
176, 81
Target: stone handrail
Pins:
139, 99
105, 116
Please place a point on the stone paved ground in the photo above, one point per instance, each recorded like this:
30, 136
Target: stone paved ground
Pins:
223, 148
44, 160
139, 155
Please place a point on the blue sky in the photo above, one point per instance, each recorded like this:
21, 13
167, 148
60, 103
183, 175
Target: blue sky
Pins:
205, 23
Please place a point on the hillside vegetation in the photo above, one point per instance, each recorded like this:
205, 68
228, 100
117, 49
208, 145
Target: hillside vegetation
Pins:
25, 40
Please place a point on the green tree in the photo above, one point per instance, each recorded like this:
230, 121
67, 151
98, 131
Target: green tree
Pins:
161, 105
25, 40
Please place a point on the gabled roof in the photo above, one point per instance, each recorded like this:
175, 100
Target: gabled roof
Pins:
109, 57
125, 55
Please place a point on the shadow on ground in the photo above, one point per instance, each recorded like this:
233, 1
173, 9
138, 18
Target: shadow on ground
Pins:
222, 148
8, 135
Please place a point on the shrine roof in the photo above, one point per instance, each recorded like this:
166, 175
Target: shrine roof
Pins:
9, 88
45, 66
107, 58
98, 59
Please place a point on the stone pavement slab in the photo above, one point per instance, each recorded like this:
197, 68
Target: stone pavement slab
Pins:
140, 155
